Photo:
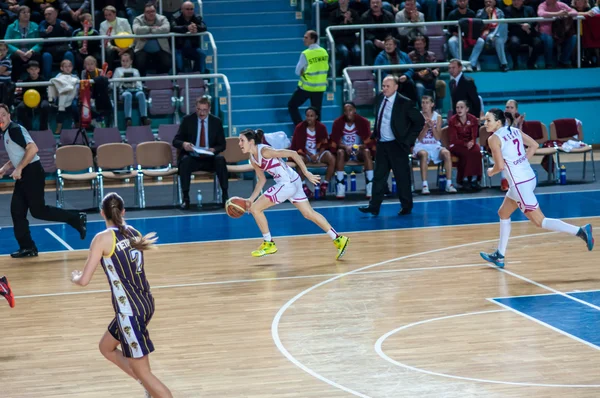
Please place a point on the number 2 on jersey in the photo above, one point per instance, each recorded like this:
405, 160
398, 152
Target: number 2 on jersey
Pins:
136, 257
516, 142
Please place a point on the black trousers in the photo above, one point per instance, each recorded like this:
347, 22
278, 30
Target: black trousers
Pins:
28, 195
215, 164
298, 98
514, 46
160, 61
25, 114
390, 155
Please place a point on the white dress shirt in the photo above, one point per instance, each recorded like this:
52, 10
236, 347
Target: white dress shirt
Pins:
385, 129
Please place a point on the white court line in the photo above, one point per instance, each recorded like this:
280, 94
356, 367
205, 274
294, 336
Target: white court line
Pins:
284, 308
395, 203
282, 278
543, 294
383, 355
58, 238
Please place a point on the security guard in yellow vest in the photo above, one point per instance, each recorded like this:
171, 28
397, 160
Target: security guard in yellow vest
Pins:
312, 68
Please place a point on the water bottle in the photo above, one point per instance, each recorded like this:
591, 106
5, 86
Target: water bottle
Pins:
354, 152
199, 199
345, 182
563, 175
352, 182
317, 191
442, 181
394, 189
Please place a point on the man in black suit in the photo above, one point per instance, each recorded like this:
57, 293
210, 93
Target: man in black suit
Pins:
200, 130
397, 127
463, 88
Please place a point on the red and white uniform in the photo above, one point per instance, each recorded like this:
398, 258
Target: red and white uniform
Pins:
287, 182
429, 143
350, 135
311, 145
518, 171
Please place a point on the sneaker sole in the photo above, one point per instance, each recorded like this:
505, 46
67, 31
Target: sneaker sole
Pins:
342, 251
262, 255
11, 297
590, 239
499, 265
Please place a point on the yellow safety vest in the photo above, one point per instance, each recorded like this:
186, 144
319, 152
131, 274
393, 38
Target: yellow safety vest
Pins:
314, 77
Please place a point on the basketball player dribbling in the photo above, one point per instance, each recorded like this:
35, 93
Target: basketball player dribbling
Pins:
288, 186
512, 149
120, 249
6, 291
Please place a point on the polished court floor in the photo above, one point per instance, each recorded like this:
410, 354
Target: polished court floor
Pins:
410, 311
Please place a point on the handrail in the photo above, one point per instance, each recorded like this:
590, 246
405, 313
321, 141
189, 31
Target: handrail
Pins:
170, 35
361, 28
379, 68
200, 11
154, 78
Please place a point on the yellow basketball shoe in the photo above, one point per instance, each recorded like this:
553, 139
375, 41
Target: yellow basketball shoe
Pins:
265, 249
341, 242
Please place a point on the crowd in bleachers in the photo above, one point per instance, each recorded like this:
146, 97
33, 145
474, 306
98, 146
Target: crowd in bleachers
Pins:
63, 62
532, 39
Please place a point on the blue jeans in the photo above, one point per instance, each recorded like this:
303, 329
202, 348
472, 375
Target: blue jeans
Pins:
47, 60
127, 97
565, 53
195, 54
347, 56
498, 43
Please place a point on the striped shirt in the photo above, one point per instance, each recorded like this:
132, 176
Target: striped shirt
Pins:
124, 268
7, 63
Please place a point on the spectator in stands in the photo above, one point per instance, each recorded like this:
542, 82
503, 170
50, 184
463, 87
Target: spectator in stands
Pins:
310, 140
72, 10
346, 42
22, 53
493, 34
100, 6
461, 11
38, 7
463, 129
112, 26
463, 88
374, 38
312, 68
101, 105
85, 48
172, 7
65, 92
393, 56
427, 79
5, 64
428, 147
512, 107
9, 10
189, 48
348, 131
205, 131
554, 8
152, 51
25, 113
410, 14
129, 89
52, 28
523, 34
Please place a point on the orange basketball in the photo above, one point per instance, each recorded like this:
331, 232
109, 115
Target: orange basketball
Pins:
236, 207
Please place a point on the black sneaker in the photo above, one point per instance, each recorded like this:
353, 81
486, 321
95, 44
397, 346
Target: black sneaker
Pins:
82, 225
32, 252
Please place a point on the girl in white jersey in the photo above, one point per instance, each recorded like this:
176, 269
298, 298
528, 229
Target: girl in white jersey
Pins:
288, 186
512, 149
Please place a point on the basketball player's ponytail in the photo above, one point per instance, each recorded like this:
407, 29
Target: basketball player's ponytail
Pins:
510, 117
256, 135
112, 206
501, 116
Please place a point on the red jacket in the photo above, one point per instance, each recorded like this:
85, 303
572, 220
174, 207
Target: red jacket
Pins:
460, 134
363, 127
299, 137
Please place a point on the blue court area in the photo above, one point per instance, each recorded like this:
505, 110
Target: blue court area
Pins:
571, 317
289, 222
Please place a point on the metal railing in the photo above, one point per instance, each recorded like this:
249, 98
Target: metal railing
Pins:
361, 29
154, 78
171, 36
379, 68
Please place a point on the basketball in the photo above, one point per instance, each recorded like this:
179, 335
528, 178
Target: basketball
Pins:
236, 207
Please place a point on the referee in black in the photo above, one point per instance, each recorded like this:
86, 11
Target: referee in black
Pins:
29, 186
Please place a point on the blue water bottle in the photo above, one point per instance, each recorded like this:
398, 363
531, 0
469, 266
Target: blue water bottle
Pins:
199, 199
317, 191
394, 189
352, 182
345, 182
563, 175
442, 181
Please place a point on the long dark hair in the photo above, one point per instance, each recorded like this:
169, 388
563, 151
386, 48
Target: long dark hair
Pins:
501, 116
256, 135
112, 206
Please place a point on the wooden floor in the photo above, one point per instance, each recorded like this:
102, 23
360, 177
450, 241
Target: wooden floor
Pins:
224, 320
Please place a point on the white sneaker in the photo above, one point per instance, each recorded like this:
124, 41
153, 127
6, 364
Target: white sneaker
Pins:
425, 190
369, 190
340, 191
450, 188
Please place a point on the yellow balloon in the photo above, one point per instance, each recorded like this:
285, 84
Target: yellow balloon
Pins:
31, 98
123, 43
